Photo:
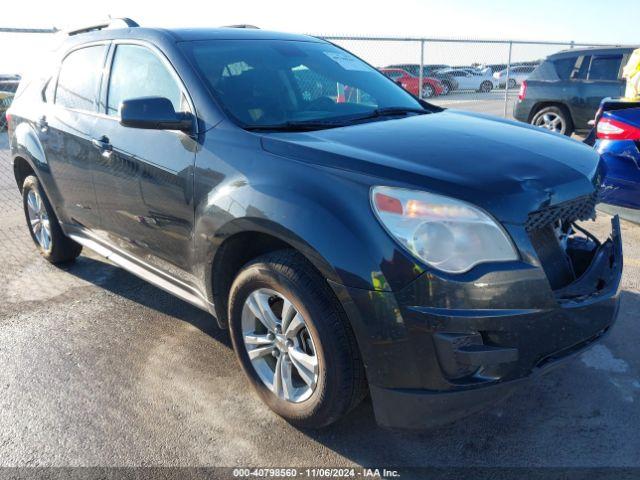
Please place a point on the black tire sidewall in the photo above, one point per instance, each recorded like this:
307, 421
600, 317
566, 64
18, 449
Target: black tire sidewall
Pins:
318, 409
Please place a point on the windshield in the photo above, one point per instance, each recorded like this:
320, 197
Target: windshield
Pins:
277, 82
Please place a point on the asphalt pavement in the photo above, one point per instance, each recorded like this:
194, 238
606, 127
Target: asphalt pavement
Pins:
98, 368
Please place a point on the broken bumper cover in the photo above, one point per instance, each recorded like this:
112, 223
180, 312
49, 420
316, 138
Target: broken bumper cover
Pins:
428, 366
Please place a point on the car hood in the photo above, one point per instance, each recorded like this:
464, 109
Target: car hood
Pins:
508, 168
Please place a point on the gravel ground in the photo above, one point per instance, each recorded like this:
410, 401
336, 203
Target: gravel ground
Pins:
99, 368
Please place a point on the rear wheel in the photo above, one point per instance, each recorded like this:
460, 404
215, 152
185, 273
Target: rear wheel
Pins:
427, 91
446, 88
513, 83
486, 86
293, 340
553, 118
43, 225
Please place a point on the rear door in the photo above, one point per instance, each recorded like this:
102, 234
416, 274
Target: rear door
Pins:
604, 80
144, 184
65, 130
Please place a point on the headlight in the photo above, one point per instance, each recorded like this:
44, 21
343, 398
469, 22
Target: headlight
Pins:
447, 234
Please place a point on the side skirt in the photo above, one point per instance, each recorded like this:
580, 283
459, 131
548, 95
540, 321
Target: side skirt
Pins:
139, 269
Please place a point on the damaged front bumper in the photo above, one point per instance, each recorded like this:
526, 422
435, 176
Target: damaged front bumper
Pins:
444, 348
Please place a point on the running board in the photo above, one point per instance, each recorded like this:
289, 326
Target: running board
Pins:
184, 292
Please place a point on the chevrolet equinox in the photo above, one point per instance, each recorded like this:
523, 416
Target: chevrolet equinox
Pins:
353, 239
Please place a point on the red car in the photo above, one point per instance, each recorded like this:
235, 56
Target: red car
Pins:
430, 86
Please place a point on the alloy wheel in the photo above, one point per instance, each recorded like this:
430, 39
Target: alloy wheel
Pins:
551, 121
279, 345
427, 91
39, 220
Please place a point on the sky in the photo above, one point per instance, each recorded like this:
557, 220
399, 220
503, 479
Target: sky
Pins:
582, 21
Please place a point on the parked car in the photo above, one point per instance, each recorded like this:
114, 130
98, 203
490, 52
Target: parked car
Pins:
449, 82
497, 67
617, 140
469, 79
430, 86
5, 102
517, 75
9, 82
422, 255
564, 92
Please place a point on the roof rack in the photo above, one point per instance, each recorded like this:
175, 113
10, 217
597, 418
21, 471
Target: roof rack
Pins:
242, 25
110, 23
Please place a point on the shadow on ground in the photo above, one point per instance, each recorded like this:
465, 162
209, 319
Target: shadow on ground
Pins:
570, 416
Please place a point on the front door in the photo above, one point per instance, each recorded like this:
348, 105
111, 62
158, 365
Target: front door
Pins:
144, 183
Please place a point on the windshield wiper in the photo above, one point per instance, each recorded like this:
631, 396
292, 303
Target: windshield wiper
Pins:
391, 111
310, 125
301, 126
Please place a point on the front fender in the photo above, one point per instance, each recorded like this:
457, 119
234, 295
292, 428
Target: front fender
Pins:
331, 240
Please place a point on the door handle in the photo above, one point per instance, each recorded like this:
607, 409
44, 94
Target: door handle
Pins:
42, 124
103, 145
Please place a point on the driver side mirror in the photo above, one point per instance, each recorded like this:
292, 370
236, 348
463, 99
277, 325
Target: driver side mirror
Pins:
154, 113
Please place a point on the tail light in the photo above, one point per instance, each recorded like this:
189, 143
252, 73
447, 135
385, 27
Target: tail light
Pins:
523, 90
610, 129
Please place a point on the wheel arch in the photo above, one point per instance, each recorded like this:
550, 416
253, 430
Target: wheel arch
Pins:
21, 170
244, 240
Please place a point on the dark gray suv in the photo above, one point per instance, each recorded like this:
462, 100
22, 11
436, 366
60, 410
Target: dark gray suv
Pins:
351, 239
564, 92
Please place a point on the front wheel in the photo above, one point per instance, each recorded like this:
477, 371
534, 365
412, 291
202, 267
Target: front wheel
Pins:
43, 225
293, 341
427, 91
446, 88
513, 83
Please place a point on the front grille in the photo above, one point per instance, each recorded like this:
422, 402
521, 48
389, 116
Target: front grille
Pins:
581, 208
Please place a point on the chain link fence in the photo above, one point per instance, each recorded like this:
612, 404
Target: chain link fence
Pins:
477, 75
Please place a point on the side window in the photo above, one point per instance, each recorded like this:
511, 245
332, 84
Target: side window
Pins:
581, 68
138, 72
564, 67
79, 78
393, 75
605, 67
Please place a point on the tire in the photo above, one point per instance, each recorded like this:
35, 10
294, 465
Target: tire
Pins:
326, 340
43, 225
446, 88
554, 118
427, 91
513, 83
486, 86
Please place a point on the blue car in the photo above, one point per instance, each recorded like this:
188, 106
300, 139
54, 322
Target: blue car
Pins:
618, 143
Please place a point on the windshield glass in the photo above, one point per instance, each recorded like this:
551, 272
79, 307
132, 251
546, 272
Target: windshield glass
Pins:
275, 82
